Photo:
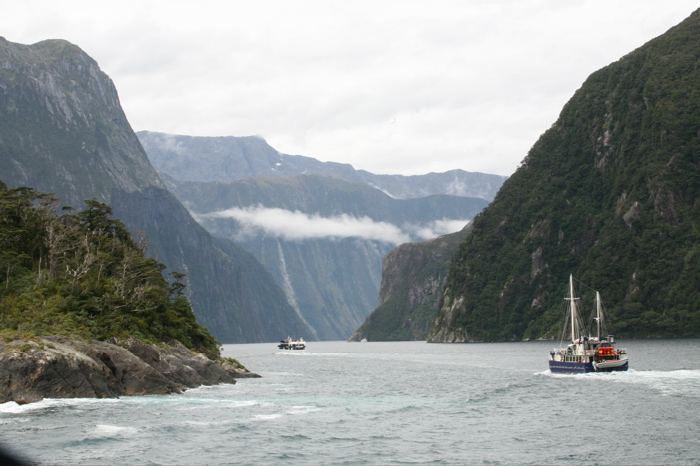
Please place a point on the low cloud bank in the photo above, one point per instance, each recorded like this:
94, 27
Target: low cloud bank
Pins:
437, 228
296, 226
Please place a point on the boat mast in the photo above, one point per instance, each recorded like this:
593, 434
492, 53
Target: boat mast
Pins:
573, 307
598, 311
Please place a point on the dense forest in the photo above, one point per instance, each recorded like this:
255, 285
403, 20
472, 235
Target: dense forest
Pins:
82, 274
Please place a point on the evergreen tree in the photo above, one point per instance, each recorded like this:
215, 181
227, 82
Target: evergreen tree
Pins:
84, 275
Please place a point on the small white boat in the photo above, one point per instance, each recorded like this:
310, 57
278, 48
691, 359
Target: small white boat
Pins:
291, 344
585, 353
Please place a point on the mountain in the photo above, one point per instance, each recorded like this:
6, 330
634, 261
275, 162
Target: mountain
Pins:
413, 275
332, 280
229, 158
610, 194
323, 239
62, 130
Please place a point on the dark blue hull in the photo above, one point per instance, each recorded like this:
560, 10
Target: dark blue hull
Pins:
561, 367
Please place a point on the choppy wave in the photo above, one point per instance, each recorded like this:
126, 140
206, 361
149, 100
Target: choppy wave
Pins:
51, 403
675, 382
267, 417
303, 409
678, 382
113, 431
382, 404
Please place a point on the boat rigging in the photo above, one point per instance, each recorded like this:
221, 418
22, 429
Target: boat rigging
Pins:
587, 353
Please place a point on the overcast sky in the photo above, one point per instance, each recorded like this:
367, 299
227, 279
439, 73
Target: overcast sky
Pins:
402, 86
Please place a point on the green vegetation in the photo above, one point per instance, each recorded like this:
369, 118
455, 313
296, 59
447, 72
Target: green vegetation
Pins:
83, 275
610, 193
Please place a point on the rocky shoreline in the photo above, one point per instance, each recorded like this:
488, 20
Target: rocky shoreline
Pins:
57, 367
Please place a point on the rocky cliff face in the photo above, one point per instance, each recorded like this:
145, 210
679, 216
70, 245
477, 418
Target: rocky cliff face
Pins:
413, 276
610, 194
54, 367
62, 130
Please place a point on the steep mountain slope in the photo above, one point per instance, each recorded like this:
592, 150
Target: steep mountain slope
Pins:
189, 158
413, 275
237, 296
62, 130
323, 239
608, 193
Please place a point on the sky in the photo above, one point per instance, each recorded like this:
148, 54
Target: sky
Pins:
398, 87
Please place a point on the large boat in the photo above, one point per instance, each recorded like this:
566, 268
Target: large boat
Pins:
290, 344
587, 353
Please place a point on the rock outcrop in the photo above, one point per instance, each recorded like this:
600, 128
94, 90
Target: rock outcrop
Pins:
56, 367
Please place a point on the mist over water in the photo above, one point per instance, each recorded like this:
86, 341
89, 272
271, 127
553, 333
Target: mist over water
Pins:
389, 403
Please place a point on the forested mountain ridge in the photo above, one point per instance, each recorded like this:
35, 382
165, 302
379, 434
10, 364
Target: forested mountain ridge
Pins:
62, 131
610, 193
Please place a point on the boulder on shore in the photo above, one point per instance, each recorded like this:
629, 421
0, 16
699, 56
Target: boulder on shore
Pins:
57, 367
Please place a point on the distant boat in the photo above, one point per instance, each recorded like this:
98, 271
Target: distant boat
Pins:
290, 344
587, 353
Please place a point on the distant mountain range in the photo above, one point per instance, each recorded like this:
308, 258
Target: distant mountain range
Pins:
319, 227
229, 158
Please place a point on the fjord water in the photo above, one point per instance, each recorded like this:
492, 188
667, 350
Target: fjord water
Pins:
389, 403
